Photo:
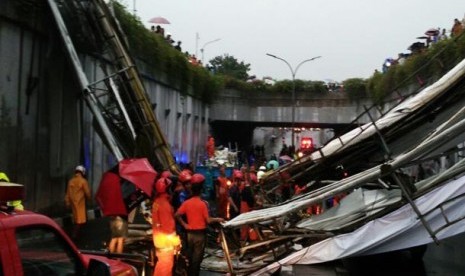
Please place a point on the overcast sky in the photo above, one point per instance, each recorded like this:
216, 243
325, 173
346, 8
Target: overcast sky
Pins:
352, 36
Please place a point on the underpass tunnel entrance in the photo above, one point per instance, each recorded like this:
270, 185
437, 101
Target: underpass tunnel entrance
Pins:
270, 138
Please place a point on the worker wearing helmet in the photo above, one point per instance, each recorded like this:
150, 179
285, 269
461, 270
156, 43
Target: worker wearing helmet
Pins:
181, 190
16, 204
222, 192
166, 174
261, 172
246, 205
166, 241
253, 175
196, 211
77, 193
234, 194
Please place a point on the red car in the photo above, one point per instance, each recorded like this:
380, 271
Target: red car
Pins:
33, 244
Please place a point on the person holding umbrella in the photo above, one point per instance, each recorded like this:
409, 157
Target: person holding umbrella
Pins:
165, 240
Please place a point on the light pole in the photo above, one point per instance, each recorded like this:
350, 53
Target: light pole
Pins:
202, 50
293, 72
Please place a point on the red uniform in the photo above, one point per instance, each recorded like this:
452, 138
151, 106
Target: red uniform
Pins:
196, 211
247, 203
164, 235
211, 147
163, 215
223, 197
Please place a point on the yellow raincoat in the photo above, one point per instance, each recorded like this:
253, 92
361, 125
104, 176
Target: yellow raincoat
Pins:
76, 195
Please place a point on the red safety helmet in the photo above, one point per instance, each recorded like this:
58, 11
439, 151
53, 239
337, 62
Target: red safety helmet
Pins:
165, 174
184, 176
161, 185
197, 178
238, 175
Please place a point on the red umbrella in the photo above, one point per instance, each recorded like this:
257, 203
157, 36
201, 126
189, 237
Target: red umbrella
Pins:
139, 172
432, 32
286, 158
159, 20
125, 186
109, 196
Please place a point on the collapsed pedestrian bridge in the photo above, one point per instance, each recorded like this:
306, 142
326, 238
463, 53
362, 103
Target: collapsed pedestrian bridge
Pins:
390, 201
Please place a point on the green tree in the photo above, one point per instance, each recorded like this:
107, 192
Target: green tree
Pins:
355, 88
229, 66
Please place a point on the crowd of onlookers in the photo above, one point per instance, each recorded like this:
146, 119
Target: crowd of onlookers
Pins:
176, 45
431, 37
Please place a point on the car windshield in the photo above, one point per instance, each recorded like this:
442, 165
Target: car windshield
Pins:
44, 252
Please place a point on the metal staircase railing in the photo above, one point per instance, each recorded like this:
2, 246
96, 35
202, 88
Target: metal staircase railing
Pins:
118, 101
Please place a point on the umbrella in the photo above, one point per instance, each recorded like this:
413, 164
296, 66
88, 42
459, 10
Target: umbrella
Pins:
125, 186
416, 46
139, 172
286, 158
432, 32
109, 195
272, 164
159, 20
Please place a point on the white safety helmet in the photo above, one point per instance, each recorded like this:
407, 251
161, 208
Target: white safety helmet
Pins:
80, 168
262, 168
260, 175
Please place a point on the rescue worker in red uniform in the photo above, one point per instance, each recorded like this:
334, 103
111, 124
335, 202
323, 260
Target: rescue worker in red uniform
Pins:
166, 242
234, 194
196, 211
247, 204
222, 193
210, 147
180, 192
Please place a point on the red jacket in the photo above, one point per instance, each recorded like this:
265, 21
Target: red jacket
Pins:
163, 215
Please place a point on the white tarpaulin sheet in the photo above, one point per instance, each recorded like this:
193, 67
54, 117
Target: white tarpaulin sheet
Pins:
397, 230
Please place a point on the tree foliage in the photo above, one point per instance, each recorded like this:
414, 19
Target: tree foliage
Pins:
355, 88
163, 60
229, 66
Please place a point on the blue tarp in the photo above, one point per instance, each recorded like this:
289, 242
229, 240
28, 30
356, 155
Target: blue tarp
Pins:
211, 173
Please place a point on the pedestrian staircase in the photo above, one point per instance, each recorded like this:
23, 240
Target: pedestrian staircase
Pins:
118, 100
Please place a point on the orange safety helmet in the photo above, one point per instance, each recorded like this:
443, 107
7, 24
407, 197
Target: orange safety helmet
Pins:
197, 178
161, 185
184, 176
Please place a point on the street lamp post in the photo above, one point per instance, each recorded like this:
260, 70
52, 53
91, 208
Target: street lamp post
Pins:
293, 73
202, 50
